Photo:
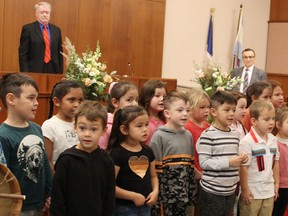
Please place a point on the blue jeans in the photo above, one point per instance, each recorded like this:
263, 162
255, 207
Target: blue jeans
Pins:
132, 210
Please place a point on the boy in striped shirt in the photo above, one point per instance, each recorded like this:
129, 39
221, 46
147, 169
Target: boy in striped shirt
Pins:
219, 159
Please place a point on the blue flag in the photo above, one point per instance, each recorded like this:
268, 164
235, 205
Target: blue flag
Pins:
210, 37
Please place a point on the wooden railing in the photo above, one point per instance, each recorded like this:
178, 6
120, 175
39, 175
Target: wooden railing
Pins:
47, 81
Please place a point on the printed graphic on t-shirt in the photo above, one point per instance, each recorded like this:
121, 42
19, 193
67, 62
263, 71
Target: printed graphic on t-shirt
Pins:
2, 157
70, 134
30, 154
139, 165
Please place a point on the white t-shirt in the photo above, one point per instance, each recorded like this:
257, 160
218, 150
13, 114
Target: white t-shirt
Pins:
61, 133
261, 183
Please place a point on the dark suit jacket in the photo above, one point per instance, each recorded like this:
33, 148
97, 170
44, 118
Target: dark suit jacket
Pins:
32, 48
257, 75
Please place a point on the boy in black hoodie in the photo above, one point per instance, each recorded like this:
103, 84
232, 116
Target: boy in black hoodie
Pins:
84, 182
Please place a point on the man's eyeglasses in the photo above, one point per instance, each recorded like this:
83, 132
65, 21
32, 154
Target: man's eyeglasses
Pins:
248, 57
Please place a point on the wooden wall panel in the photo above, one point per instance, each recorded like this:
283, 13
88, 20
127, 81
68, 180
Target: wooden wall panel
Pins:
283, 79
278, 11
149, 41
65, 14
128, 31
121, 48
17, 13
277, 48
1, 32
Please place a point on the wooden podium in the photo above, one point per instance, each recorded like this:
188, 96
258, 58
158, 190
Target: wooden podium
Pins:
47, 81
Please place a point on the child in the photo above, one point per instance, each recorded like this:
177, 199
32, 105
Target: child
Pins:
197, 123
58, 131
282, 140
198, 116
151, 98
121, 94
136, 178
277, 98
239, 113
23, 143
172, 145
259, 90
84, 181
259, 176
218, 148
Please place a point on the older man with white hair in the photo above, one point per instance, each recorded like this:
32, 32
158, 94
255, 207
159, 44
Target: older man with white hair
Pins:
41, 44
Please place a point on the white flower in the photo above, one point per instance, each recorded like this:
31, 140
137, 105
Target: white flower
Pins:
92, 73
88, 70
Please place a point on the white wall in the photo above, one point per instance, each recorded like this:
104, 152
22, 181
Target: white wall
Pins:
186, 29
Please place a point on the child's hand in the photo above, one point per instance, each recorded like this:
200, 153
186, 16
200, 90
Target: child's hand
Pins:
45, 210
244, 158
276, 188
139, 199
235, 161
197, 174
246, 196
152, 198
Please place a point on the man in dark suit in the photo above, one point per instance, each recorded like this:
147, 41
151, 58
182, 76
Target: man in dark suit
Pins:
41, 44
253, 73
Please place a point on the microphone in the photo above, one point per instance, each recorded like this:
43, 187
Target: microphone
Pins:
130, 68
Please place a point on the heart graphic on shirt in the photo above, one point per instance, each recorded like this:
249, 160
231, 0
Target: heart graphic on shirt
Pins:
139, 165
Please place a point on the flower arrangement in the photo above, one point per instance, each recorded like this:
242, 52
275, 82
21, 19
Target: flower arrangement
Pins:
88, 71
211, 78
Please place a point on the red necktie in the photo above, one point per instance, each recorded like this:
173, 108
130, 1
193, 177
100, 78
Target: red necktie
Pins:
47, 45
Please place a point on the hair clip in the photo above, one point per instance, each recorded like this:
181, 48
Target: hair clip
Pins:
111, 87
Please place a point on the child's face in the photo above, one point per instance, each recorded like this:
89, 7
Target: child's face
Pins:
138, 130
266, 95
130, 98
201, 112
156, 103
283, 129
223, 115
265, 122
69, 103
89, 133
277, 97
240, 109
177, 114
26, 105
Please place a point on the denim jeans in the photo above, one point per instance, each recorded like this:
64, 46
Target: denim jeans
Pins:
132, 210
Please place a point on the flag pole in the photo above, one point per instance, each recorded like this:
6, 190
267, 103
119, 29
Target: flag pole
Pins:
238, 26
212, 10
210, 33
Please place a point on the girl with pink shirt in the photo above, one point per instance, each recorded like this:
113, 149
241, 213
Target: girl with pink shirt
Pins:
282, 141
151, 98
121, 94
